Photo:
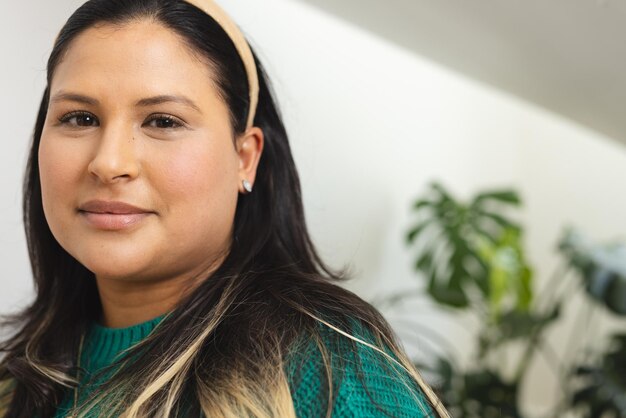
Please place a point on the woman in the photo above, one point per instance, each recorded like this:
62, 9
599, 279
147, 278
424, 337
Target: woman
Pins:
173, 269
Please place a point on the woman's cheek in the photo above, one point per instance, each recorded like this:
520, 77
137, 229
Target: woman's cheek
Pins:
59, 169
200, 192
193, 173
59, 174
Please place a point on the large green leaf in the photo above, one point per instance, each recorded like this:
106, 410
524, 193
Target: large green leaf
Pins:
499, 219
441, 191
425, 262
510, 197
524, 289
452, 295
420, 204
414, 232
490, 234
509, 277
460, 269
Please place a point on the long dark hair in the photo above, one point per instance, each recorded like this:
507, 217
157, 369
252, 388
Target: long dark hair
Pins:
271, 289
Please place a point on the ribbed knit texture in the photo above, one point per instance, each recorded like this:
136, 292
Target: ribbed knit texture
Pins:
365, 384
100, 348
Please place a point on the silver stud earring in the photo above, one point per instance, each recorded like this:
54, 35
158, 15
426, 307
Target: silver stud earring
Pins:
247, 186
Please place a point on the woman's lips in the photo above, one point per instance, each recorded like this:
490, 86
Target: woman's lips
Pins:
112, 216
113, 221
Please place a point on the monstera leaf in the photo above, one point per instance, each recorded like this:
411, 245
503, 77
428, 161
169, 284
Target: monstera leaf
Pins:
448, 236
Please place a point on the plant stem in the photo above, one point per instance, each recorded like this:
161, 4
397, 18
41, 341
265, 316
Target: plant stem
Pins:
553, 284
527, 356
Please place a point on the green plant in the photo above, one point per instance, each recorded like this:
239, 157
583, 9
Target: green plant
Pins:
451, 235
598, 387
472, 257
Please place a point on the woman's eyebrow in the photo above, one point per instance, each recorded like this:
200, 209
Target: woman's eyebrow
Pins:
73, 97
151, 101
148, 101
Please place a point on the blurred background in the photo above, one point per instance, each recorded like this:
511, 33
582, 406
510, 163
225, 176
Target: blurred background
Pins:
520, 102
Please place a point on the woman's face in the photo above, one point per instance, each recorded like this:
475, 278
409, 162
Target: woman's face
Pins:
134, 119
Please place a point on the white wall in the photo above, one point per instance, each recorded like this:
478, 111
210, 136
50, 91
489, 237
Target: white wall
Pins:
371, 125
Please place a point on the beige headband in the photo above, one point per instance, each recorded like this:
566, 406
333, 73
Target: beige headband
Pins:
232, 30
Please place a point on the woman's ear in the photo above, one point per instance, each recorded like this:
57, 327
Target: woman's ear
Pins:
249, 149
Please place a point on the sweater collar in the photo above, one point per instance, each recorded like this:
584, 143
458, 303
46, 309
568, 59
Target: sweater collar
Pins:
103, 344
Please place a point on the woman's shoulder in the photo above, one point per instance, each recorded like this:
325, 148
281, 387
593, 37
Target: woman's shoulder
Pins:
363, 374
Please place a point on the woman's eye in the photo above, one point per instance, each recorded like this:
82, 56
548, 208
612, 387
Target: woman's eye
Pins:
79, 119
164, 122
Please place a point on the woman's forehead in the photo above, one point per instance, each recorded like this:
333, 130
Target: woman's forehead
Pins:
140, 58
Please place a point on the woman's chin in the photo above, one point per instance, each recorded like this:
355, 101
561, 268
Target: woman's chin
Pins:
120, 275
126, 267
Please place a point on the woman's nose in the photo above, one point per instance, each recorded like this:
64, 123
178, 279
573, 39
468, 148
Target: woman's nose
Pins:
116, 156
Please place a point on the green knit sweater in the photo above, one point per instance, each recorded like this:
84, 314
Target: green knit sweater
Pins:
384, 394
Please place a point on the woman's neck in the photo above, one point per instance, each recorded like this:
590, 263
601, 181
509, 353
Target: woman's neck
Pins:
127, 303
130, 302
